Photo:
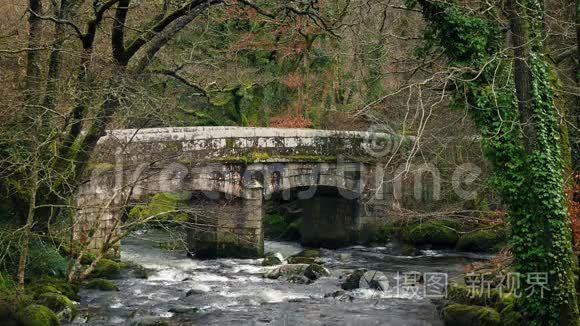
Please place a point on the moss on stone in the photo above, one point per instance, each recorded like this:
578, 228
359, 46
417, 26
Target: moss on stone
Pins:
301, 260
102, 167
272, 259
461, 294
510, 317
57, 302
102, 285
433, 233
315, 271
106, 268
464, 315
37, 315
482, 240
312, 253
55, 285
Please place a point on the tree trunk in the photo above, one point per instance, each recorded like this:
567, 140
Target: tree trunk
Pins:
541, 227
25, 241
33, 64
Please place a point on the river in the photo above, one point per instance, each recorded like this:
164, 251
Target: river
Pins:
233, 291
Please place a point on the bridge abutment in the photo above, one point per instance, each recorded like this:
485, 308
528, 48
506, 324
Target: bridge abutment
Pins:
229, 228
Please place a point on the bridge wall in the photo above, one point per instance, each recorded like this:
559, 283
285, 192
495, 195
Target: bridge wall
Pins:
247, 165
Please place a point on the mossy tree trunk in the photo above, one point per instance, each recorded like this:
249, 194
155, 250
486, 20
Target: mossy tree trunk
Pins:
515, 113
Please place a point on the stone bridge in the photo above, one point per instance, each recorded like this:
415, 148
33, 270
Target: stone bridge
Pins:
231, 172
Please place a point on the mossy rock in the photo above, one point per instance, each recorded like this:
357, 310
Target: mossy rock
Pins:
465, 315
57, 302
315, 271
461, 294
56, 285
312, 253
510, 317
107, 268
302, 260
60, 304
273, 260
37, 315
433, 233
482, 240
352, 281
102, 285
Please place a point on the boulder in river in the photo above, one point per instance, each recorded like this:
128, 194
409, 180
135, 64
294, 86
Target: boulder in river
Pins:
315, 271
340, 295
286, 270
299, 279
61, 305
464, 315
106, 268
353, 280
101, 284
302, 260
273, 259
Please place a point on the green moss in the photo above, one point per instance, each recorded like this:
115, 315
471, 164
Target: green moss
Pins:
312, 253
482, 240
434, 233
7, 283
57, 302
464, 315
102, 285
510, 317
101, 167
262, 156
54, 285
165, 206
106, 268
302, 260
37, 315
230, 142
461, 294
281, 227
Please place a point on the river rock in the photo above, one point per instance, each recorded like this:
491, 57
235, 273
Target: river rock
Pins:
352, 281
299, 279
374, 280
315, 271
273, 260
302, 260
465, 315
335, 294
340, 294
198, 290
64, 308
183, 310
286, 270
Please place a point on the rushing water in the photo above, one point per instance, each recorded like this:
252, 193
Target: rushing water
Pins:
233, 291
